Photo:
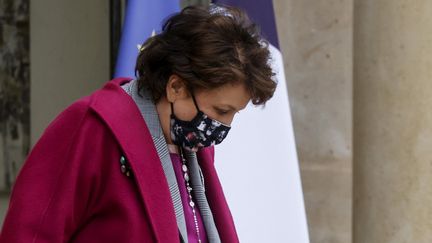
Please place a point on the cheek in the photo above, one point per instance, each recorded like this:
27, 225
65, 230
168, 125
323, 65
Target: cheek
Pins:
185, 111
228, 120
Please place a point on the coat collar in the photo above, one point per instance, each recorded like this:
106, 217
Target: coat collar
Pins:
123, 117
149, 112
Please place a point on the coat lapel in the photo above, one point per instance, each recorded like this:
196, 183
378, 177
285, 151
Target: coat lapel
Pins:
123, 117
215, 196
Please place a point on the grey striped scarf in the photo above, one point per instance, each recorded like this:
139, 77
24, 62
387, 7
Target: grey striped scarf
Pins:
150, 115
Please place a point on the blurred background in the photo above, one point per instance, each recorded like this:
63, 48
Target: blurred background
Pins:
358, 74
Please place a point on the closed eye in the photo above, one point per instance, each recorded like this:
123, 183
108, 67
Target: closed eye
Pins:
222, 112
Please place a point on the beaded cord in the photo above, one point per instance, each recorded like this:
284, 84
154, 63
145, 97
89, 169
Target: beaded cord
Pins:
189, 190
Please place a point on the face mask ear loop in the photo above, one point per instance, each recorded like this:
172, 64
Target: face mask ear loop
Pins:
196, 105
172, 108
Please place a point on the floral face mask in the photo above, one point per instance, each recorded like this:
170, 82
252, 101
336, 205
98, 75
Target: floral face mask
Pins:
201, 131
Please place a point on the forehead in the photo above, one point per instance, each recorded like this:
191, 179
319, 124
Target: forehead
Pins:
230, 94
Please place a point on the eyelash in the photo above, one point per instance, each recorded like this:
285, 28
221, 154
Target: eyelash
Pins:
221, 112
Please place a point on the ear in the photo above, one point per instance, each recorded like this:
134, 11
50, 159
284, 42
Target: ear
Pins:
176, 88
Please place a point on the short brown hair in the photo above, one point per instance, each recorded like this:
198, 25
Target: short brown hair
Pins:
207, 47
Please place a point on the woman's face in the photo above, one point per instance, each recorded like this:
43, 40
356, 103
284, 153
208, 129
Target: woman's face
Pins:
221, 103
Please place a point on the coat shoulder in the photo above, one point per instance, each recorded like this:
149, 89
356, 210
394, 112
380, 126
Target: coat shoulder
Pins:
76, 114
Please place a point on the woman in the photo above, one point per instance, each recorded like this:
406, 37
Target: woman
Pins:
134, 161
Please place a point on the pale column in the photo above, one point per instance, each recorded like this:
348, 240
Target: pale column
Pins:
69, 55
316, 41
393, 121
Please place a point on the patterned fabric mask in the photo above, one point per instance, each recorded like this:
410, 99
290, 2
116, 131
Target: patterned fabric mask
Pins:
201, 131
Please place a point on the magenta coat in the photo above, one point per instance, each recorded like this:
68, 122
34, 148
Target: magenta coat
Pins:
71, 188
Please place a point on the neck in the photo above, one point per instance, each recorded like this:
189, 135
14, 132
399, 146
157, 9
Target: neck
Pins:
163, 109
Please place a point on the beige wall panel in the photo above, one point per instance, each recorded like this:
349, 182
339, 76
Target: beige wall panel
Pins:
392, 128
69, 55
316, 40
